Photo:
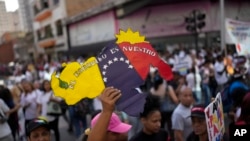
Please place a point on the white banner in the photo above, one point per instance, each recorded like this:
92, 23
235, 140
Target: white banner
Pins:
238, 33
215, 119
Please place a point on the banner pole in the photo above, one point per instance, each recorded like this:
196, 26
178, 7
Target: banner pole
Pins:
222, 26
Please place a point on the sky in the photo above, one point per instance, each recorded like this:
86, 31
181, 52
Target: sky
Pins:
11, 5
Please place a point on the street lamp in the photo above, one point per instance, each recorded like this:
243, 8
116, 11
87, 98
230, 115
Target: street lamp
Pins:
194, 23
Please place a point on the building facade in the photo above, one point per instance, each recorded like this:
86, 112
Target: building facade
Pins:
162, 22
9, 21
49, 34
25, 15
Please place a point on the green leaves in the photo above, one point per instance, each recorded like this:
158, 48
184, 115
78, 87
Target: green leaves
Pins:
63, 84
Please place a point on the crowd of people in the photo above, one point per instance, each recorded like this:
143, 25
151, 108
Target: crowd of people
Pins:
173, 111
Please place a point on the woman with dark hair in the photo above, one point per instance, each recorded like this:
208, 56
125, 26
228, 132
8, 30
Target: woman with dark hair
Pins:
44, 99
6, 96
168, 101
151, 120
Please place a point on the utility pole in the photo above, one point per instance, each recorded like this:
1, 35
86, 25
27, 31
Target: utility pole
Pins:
222, 27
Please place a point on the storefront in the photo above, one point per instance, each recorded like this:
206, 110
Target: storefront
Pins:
163, 25
90, 35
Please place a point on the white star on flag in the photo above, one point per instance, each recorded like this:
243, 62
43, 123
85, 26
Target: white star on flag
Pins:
104, 72
127, 61
110, 62
130, 66
105, 67
105, 79
121, 59
115, 59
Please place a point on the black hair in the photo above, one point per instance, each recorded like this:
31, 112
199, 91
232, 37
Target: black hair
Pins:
152, 104
238, 95
43, 83
157, 82
5, 94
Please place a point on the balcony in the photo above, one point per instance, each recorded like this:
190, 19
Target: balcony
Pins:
43, 15
47, 43
45, 37
42, 10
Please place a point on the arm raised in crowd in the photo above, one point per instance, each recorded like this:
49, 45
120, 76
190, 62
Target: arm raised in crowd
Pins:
108, 98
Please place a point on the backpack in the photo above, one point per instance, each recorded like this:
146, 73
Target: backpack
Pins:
83, 107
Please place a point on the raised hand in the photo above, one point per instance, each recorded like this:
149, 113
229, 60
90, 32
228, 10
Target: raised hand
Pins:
108, 98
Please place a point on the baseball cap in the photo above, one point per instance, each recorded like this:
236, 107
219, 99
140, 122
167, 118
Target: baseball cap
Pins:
36, 123
198, 111
115, 124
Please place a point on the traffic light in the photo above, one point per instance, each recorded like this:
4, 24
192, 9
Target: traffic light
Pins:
190, 24
201, 20
196, 21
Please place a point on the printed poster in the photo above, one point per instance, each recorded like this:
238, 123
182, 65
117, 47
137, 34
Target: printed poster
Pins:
238, 33
215, 119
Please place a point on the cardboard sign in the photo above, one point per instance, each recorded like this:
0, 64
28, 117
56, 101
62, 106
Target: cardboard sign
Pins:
123, 64
215, 119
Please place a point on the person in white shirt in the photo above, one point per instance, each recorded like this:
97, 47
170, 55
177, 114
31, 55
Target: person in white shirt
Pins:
5, 131
28, 102
220, 72
37, 88
44, 99
181, 121
194, 82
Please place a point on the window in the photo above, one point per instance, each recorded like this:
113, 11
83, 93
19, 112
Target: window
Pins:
38, 35
45, 33
59, 28
40, 5
45, 4
48, 32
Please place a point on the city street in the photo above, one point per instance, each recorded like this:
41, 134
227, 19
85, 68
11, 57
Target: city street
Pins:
167, 69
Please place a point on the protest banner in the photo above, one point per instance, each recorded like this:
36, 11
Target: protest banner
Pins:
215, 119
238, 33
123, 64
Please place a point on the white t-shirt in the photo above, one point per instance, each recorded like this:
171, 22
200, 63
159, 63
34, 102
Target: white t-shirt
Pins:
30, 100
4, 127
181, 120
205, 75
43, 99
195, 85
28, 76
19, 78
219, 67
